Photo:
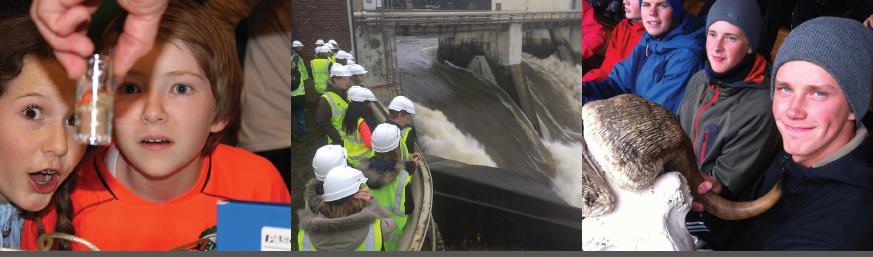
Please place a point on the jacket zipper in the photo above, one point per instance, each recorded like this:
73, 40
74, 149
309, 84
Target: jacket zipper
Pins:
702, 109
703, 147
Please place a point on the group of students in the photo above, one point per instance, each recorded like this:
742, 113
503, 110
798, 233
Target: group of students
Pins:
166, 167
338, 213
798, 122
361, 169
320, 71
363, 161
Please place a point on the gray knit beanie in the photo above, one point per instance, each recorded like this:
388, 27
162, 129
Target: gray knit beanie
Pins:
741, 13
842, 47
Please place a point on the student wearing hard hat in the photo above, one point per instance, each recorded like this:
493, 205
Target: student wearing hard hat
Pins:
326, 158
299, 74
357, 123
318, 43
344, 219
334, 47
388, 180
401, 110
331, 52
321, 65
333, 105
358, 72
342, 57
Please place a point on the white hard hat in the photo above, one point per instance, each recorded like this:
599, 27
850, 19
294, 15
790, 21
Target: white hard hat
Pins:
319, 42
401, 103
356, 69
296, 44
330, 46
342, 182
338, 70
344, 55
386, 137
322, 49
332, 42
326, 158
361, 94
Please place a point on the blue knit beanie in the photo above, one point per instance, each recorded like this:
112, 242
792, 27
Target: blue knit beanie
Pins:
678, 9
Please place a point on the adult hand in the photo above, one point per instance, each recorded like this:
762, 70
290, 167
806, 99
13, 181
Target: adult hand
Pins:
64, 25
869, 21
709, 183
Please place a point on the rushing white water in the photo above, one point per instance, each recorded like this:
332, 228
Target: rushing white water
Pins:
560, 121
567, 74
568, 175
441, 138
473, 120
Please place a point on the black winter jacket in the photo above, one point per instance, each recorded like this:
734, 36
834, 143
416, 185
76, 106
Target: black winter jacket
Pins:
829, 207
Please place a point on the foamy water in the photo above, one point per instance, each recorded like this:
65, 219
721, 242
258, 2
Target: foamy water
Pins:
438, 136
567, 182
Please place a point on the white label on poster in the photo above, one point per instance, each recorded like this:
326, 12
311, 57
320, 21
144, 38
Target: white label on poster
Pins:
275, 239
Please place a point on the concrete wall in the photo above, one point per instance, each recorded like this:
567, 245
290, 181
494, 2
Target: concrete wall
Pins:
504, 46
358, 5
462, 47
569, 43
314, 19
534, 5
371, 52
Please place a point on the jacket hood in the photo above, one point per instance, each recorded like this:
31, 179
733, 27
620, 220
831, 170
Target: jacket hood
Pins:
310, 193
344, 233
377, 178
755, 78
689, 33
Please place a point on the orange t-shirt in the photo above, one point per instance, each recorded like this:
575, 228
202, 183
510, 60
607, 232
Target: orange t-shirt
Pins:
112, 217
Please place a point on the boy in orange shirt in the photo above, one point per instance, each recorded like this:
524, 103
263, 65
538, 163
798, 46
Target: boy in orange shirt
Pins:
157, 186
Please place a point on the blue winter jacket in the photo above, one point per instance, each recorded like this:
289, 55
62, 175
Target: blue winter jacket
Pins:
657, 69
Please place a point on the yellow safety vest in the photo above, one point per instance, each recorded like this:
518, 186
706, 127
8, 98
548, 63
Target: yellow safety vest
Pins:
392, 197
338, 107
320, 74
355, 147
404, 151
304, 75
373, 242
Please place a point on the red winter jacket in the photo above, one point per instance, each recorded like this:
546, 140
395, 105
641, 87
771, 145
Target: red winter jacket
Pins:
592, 32
624, 38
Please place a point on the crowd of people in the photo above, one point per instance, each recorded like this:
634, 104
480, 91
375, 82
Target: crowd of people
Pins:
363, 160
800, 120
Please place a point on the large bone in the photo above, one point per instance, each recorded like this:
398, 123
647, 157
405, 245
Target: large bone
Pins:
629, 140
649, 220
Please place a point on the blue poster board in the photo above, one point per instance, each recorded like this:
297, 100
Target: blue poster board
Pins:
253, 226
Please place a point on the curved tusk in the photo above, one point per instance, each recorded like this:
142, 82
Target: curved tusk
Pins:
716, 204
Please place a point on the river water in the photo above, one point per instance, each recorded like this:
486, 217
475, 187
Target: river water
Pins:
464, 116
